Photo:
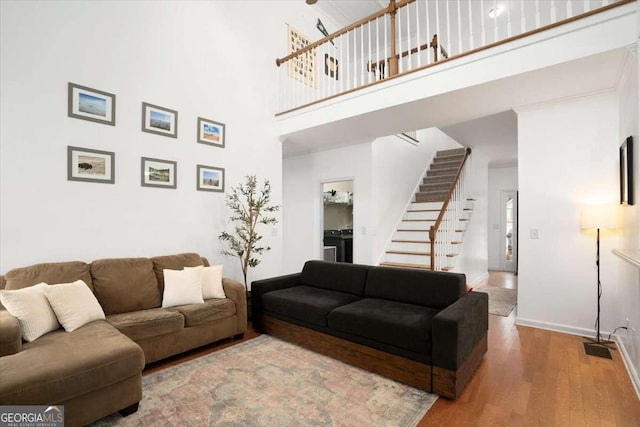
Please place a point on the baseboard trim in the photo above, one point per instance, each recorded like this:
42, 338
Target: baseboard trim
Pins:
582, 332
556, 327
476, 282
631, 370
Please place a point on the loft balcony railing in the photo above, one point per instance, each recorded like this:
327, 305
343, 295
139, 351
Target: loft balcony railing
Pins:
411, 35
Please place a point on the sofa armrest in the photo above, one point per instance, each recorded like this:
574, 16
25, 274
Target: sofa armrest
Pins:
235, 291
10, 334
261, 287
458, 328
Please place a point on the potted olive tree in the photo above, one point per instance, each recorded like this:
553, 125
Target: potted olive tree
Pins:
250, 206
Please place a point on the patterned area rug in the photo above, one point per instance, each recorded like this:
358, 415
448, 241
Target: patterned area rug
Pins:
501, 301
268, 382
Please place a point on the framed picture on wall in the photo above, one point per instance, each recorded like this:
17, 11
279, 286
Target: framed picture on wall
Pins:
85, 164
158, 173
210, 179
159, 120
210, 132
91, 104
626, 172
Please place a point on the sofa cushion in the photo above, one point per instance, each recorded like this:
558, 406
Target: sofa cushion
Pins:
305, 303
74, 304
427, 288
406, 326
139, 325
53, 272
125, 284
60, 366
335, 276
32, 309
210, 310
173, 262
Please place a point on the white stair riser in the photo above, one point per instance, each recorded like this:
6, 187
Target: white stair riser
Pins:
415, 225
411, 235
432, 215
425, 205
408, 259
412, 247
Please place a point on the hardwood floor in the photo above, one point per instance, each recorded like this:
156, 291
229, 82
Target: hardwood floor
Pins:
533, 377
529, 377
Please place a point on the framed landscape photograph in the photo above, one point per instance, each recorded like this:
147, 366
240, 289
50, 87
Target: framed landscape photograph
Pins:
85, 164
158, 173
210, 132
626, 172
159, 120
210, 179
91, 104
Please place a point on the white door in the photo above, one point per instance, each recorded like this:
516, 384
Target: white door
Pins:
508, 230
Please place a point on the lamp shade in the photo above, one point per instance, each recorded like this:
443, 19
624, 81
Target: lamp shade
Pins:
599, 216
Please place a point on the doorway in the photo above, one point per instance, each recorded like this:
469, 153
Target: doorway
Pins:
337, 221
509, 230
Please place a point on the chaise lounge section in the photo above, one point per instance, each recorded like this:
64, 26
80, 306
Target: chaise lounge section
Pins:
418, 327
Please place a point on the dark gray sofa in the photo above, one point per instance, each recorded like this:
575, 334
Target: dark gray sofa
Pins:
419, 327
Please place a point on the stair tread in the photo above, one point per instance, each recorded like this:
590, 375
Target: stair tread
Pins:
419, 220
406, 265
410, 241
409, 253
423, 210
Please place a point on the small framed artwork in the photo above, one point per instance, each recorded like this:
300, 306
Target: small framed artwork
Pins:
626, 172
85, 164
91, 104
210, 179
158, 173
210, 132
159, 120
330, 66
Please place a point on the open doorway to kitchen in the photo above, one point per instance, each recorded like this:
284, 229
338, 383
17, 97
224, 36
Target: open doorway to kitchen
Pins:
337, 220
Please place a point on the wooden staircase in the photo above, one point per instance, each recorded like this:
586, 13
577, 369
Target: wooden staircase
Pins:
410, 245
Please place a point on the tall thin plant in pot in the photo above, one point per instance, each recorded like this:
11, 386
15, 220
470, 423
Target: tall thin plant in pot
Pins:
250, 206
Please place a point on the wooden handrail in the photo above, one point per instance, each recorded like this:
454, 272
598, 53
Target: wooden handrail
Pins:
393, 6
453, 57
434, 228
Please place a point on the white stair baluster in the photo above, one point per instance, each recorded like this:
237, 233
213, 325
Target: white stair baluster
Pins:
418, 30
553, 12
428, 38
569, 9
495, 20
448, 31
370, 59
459, 29
523, 21
470, 25
509, 31
409, 59
484, 33
537, 14
399, 38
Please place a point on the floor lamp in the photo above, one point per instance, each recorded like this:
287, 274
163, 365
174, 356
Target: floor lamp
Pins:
598, 217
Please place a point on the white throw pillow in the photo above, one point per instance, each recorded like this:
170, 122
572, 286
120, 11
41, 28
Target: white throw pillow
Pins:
211, 282
31, 307
74, 304
182, 287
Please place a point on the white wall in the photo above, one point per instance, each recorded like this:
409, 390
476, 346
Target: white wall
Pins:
629, 280
398, 167
303, 207
473, 258
500, 179
199, 58
567, 157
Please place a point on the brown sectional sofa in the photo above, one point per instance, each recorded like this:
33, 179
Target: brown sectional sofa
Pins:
96, 369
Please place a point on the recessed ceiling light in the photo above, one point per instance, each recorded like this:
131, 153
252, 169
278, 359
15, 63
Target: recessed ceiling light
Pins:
495, 12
